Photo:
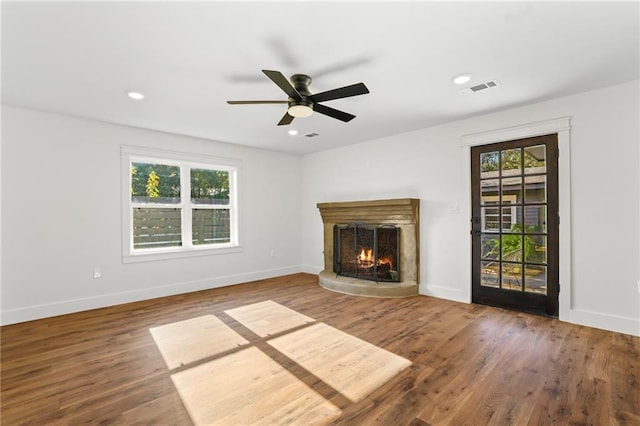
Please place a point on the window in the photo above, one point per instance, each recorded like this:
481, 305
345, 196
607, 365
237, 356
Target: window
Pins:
178, 205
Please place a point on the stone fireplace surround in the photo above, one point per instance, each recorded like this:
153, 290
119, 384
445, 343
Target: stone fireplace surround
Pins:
403, 213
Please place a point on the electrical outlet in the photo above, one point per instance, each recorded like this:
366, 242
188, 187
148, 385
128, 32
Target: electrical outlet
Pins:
273, 253
97, 273
638, 286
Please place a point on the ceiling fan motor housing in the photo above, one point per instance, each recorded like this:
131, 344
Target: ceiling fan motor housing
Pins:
301, 82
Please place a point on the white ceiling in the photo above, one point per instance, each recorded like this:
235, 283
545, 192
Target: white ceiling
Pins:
80, 58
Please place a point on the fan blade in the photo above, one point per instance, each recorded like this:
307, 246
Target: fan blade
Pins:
255, 102
343, 92
332, 112
286, 119
283, 83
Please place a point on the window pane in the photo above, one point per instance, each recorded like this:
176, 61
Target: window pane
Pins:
490, 246
511, 162
535, 218
489, 274
512, 247
512, 276
489, 189
535, 249
211, 226
153, 228
512, 190
155, 183
491, 219
534, 159
535, 279
511, 219
535, 189
489, 164
209, 186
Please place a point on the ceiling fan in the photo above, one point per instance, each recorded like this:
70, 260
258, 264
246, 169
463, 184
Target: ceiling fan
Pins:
302, 103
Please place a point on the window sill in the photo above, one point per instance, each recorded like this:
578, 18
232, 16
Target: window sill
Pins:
182, 254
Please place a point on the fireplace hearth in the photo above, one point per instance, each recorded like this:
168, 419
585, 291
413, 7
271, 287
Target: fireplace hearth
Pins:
371, 248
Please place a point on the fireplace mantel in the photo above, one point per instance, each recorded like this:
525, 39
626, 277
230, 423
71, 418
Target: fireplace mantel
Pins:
403, 213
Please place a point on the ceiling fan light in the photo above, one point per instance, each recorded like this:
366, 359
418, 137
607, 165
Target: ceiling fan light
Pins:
300, 111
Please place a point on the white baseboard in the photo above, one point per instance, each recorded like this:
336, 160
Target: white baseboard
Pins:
311, 269
605, 321
576, 316
447, 293
30, 313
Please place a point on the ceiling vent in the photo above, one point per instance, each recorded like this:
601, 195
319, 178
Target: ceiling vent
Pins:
483, 86
311, 135
479, 87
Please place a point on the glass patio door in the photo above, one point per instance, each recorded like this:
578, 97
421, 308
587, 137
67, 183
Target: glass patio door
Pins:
515, 224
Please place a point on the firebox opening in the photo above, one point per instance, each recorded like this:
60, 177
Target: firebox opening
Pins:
367, 252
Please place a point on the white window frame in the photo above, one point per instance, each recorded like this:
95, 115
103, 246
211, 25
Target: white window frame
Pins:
186, 161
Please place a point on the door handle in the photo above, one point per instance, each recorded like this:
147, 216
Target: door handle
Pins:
476, 232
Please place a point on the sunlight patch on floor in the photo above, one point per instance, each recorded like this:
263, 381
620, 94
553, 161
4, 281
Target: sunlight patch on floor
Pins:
248, 387
185, 342
268, 318
351, 366
234, 382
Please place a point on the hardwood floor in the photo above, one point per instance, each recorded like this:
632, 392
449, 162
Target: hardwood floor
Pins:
470, 364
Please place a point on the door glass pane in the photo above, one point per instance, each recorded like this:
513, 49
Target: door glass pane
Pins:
511, 162
512, 189
489, 165
490, 246
512, 247
535, 189
489, 274
512, 219
535, 279
535, 218
489, 191
535, 159
512, 276
535, 249
490, 219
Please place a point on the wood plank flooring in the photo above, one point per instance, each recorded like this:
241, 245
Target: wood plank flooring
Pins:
470, 364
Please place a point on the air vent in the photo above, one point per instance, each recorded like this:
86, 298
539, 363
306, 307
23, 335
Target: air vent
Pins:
483, 86
311, 135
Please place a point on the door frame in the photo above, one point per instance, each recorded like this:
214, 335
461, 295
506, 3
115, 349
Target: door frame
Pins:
521, 300
561, 126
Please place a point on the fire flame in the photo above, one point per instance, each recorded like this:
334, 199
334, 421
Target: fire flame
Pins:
365, 259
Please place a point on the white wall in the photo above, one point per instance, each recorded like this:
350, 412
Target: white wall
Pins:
427, 164
61, 217
61, 208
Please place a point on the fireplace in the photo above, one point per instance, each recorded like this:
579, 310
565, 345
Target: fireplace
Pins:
371, 248
367, 252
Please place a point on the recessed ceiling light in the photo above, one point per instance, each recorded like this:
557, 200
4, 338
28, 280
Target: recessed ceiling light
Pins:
135, 95
293, 132
462, 79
